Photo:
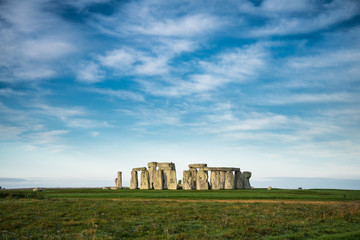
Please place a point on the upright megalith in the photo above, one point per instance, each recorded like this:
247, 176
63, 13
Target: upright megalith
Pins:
222, 179
159, 180
118, 180
172, 182
187, 180
238, 180
134, 180
169, 175
193, 172
246, 180
144, 180
215, 180
152, 170
202, 180
229, 180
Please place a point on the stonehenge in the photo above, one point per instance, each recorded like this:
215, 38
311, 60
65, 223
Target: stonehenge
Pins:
162, 175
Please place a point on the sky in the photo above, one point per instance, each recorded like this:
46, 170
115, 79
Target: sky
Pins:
92, 87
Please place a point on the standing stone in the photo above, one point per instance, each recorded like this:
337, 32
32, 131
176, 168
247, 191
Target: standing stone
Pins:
247, 176
152, 170
172, 182
187, 180
193, 172
166, 173
144, 180
134, 180
159, 180
238, 180
229, 180
222, 180
118, 180
202, 180
215, 180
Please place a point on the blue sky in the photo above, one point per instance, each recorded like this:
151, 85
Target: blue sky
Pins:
91, 87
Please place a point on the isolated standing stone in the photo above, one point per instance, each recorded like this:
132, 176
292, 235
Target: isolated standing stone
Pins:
215, 180
202, 180
159, 180
134, 180
222, 180
247, 176
144, 182
229, 180
118, 180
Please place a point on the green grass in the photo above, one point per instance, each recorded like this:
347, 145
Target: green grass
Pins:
139, 214
312, 194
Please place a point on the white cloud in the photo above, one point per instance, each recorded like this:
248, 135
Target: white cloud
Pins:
94, 134
34, 41
81, 4
183, 26
8, 92
60, 112
237, 64
85, 123
46, 48
120, 58
91, 73
233, 65
294, 98
122, 94
46, 137
281, 6
322, 17
10, 132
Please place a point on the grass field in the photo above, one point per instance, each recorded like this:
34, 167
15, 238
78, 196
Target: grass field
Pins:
143, 214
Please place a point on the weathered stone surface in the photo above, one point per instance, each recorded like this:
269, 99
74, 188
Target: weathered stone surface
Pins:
197, 165
139, 169
166, 166
152, 164
118, 180
202, 180
159, 180
152, 171
215, 180
187, 180
238, 180
229, 180
222, 180
224, 169
134, 180
144, 180
171, 180
247, 176
193, 172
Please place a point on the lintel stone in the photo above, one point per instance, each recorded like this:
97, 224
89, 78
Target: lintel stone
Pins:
223, 169
139, 169
197, 165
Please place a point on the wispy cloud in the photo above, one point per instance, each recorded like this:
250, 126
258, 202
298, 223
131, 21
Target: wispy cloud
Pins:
121, 94
231, 66
46, 137
323, 17
90, 73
